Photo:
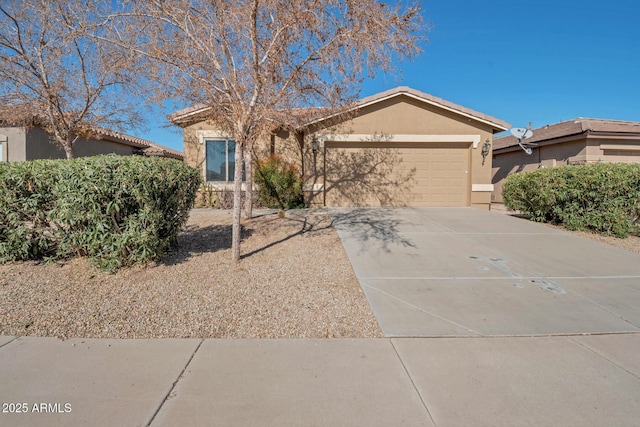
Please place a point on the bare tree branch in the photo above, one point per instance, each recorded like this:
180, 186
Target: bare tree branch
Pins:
59, 73
252, 62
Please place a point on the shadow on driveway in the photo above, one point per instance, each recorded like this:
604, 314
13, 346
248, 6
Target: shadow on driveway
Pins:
368, 225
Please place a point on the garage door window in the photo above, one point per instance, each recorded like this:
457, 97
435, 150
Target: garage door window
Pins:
220, 165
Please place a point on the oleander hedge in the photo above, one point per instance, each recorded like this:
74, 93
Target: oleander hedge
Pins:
117, 211
602, 197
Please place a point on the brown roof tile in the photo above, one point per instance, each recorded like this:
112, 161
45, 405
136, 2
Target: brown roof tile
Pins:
151, 147
549, 133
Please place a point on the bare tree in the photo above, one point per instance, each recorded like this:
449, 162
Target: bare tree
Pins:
254, 61
53, 74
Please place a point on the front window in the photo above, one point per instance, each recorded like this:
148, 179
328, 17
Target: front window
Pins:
220, 165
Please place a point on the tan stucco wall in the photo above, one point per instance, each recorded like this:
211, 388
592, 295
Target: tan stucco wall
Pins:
400, 115
34, 143
624, 151
16, 145
84, 148
507, 163
406, 116
194, 148
39, 146
580, 151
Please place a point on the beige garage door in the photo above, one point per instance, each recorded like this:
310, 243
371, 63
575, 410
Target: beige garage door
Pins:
392, 174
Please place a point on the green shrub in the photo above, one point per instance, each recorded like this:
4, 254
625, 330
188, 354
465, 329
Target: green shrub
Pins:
601, 197
279, 184
117, 211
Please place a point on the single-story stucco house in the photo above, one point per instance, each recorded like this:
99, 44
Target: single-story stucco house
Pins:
20, 143
574, 142
401, 147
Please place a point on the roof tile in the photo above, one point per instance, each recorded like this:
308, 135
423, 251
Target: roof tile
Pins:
546, 134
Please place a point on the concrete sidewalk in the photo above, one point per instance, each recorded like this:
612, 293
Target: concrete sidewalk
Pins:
542, 381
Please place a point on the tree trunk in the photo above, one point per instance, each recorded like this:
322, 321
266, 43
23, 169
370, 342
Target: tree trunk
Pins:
237, 203
68, 150
248, 168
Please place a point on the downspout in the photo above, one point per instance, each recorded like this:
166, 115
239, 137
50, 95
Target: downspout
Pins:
300, 138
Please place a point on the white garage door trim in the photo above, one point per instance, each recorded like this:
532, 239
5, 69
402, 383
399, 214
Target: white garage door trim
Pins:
474, 139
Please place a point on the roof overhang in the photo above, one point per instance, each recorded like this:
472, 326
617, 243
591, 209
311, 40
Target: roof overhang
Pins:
197, 113
496, 124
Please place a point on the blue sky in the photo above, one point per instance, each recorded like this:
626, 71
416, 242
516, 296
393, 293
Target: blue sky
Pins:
520, 61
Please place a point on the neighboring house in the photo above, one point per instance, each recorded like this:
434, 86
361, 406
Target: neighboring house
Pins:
32, 142
573, 142
401, 147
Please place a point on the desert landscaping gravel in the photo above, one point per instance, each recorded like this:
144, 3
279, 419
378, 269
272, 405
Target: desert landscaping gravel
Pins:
294, 281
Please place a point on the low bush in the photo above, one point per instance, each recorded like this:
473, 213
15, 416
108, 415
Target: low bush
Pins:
601, 197
117, 211
279, 184
211, 197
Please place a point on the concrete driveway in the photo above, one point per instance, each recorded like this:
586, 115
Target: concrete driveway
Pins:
434, 272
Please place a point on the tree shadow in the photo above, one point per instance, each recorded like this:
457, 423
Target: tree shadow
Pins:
370, 226
377, 175
194, 241
308, 224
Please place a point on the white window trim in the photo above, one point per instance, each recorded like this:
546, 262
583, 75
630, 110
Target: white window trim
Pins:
205, 135
4, 143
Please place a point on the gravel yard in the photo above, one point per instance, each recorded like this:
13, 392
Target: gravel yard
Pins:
294, 281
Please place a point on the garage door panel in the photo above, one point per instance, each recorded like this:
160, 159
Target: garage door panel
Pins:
391, 175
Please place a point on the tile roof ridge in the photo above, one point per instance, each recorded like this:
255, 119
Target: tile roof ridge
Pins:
136, 140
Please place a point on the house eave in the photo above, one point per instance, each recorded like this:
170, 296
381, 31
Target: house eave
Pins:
498, 126
187, 116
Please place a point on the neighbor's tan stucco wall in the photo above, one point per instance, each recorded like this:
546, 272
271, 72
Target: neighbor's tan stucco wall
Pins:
94, 147
613, 150
515, 161
16, 147
40, 146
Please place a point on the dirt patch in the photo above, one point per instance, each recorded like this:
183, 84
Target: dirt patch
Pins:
294, 281
631, 243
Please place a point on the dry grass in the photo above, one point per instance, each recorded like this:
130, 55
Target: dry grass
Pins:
631, 243
294, 281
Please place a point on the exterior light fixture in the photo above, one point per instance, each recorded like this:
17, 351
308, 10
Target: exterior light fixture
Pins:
485, 150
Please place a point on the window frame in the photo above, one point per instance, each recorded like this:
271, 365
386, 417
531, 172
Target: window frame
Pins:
4, 143
203, 137
227, 160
